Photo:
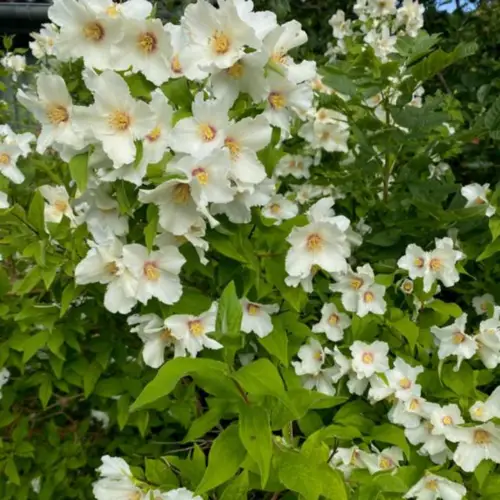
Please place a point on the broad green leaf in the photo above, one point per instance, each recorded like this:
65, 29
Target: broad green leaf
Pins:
33, 344
11, 471
225, 457
36, 212
276, 343
229, 312
494, 227
388, 433
256, 436
237, 489
334, 78
79, 170
204, 424
408, 329
448, 309
45, 391
492, 116
151, 229
159, 473
491, 249
171, 372
29, 282
177, 91
90, 378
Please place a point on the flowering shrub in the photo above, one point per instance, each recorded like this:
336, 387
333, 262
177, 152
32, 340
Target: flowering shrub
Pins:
228, 273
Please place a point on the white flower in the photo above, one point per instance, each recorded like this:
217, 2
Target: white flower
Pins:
407, 286
243, 140
192, 331
4, 378
445, 419
156, 337
476, 194
220, 35
58, 204
341, 26
204, 132
285, 99
332, 323
411, 16
476, 444
157, 273
86, 33
294, 165
433, 445
306, 192
15, 63
43, 43
22, 141
178, 494
9, 154
432, 487
488, 342
415, 261
280, 209
382, 42
328, 130
116, 119
103, 264
409, 412
453, 341
438, 170
346, 460
257, 317
368, 359
360, 294
36, 484
4, 201
178, 210
101, 416
380, 8
481, 303
116, 481
483, 411
129, 9
385, 460
403, 379
318, 243
145, 46
53, 108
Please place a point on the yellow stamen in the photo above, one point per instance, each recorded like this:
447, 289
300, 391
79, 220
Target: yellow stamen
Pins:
482, 437
119, 120
277, 100
147, 42
166, 335
151, 271
253, 309
57, 114
181, 193
112, 10
201, 174
61, 205
318, 355
196, 327
220, 43
112, 268
432, 485
233, 146
367, 358
405, 383
154, 135
479, 201
386, 463
418, 262
479, 411
447, 420
458, 338
236, 70
435, 264
175, 65
333, 319
4, 159
207, 132
275, 208
314, 242
414, 404
93, 31
356, 283
368, 297
278, 57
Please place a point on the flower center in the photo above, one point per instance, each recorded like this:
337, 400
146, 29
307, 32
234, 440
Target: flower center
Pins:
418, 262
93, 31
166, 335
151, 271
233, 146
435, 264
479, 201
458, 338
368, 297
277, 100
196, 327
414, 405
482, 437
405, 383
479, 411
408, 286
61, 205
278, 57
333, 319
220, 43
447, 420
181, 193
207, 132
4, 159
432, 485
236, 70
356, 283
318, 355
253, 309
354, 457
112, 268
314, 242
154, 135
275, 208
112, 10
57, 114
175, 65
119, 121
386, 463
367, 358
201, 174
147, 42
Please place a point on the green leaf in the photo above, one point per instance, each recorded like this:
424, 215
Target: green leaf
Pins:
177, 91
171, 372
311, 479
33, 344
490, 250
229, 313
79, 170
408, 329
29, 282
225, 457
447, 309
492, 116
36, 211
90, 378
45, 391
11, 471
151, 229
494, 228
338, 81
388, 433
237, 489
159, 473
276, 343
205, 423
261, 378
256, 436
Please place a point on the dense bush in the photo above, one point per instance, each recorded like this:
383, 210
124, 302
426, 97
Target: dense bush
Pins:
231, 273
